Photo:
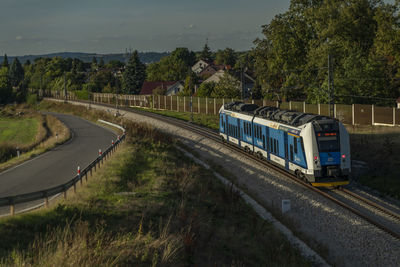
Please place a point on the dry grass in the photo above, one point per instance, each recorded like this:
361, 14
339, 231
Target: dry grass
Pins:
149, 206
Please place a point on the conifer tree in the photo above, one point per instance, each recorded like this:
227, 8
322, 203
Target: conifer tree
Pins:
134, 75
16, 73
5, 61
206, 54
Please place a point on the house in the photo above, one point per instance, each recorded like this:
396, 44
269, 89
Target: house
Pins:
149, 87
175, 88
215, 77
245, 78
211, 70
199, 66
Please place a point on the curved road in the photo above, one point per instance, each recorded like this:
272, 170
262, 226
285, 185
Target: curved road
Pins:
60, 164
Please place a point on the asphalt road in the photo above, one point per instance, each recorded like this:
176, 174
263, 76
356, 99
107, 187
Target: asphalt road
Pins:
59, 165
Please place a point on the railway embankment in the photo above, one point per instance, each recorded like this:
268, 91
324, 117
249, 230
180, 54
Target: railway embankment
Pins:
340, 236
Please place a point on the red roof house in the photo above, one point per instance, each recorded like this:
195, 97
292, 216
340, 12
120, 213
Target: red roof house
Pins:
148, 87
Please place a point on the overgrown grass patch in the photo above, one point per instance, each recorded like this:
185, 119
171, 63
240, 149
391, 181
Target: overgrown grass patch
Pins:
149, 205
211, 121
379, 147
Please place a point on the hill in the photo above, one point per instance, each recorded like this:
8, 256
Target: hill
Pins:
145, 57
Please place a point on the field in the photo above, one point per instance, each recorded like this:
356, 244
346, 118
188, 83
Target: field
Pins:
147, 206
32, 132
18, 131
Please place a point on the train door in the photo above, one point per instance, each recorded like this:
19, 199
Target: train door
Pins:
285, 136
268, 143
221, 123
239, 135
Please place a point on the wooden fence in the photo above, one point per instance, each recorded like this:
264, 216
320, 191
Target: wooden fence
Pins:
355, 114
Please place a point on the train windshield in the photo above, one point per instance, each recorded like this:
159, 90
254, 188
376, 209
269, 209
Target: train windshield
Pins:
328, 144
327, 136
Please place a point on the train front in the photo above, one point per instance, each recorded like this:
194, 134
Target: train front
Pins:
331, 153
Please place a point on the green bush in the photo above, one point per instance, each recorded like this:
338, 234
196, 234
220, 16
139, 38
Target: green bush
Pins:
32, 99
6, 152
82, 94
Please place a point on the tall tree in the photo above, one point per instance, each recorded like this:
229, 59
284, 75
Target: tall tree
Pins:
206, 53
134, 75
226, 57
5, 61
101, 63
16, 73
5, 86
361, 35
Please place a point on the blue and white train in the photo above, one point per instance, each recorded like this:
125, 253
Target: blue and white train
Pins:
313, 147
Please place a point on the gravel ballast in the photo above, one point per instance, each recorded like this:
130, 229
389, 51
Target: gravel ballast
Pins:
349, 240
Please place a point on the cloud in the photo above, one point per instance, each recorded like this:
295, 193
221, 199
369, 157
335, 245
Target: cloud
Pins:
191, 27
18, 38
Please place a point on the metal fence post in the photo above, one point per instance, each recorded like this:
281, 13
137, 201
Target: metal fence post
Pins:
177, 103
12, 209
215, 107
171, 103
159, 102
319, 109
198, 105
304, 107
184, 104
394, 116
373, 114
352, 114
334, 110
290, 105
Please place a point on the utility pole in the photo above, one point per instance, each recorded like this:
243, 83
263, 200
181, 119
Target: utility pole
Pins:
241, 81
65, 88
331, 89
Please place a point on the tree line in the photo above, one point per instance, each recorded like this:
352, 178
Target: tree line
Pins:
289, 62
362, 37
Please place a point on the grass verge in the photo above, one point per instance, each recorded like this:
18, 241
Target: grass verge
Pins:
148, 205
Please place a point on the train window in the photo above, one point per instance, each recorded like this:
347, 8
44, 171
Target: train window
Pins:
263, 138
291, 153
245, 128
295, 145
286, 151
271, 144
275, 146
260, 134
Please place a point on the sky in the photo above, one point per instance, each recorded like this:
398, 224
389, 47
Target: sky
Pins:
112, 26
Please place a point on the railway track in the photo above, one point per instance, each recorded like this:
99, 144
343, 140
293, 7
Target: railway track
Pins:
369, 213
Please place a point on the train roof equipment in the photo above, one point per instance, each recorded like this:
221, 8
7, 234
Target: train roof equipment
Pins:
289, 117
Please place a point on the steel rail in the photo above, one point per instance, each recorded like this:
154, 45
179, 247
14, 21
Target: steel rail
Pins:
215, 136
371, 203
